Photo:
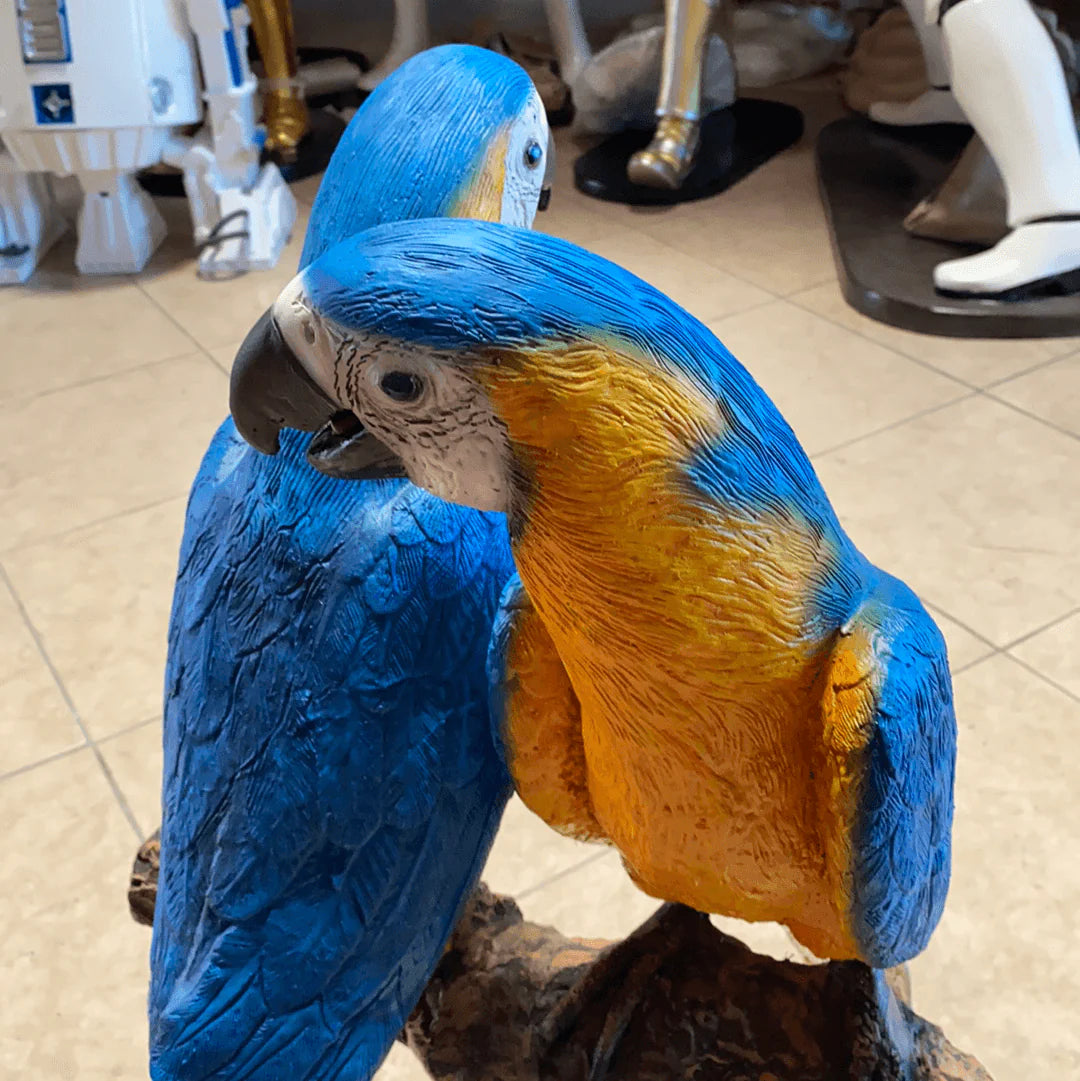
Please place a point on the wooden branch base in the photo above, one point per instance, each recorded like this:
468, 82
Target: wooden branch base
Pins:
676, 1001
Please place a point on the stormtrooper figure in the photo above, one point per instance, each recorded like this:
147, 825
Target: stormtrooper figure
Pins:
99, 89
1007, 79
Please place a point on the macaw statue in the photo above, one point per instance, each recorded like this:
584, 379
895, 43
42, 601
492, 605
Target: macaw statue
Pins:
331, 788
695, 663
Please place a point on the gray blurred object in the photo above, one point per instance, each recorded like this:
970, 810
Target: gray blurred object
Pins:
616, 90
776, 42
773, 42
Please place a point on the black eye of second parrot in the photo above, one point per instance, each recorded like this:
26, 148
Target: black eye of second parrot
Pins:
401, 386
534, 154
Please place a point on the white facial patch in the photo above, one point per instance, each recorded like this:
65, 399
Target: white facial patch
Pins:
523, 180
447, 435
449, 439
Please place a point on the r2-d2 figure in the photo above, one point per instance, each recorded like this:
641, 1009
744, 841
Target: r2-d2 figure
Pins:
99, 89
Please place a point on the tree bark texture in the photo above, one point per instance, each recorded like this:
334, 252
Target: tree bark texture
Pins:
677, 1000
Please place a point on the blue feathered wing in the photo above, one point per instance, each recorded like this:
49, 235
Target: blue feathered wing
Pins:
897, 672
330, 785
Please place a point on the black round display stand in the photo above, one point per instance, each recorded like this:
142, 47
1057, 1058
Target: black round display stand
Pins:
734, 142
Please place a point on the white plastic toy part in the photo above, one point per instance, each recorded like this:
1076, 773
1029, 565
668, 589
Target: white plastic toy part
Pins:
101, 90
30, 222
1008, 76
411, 36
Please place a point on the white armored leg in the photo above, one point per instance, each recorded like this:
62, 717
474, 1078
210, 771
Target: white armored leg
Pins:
568, 37
411, 35
119, 226
30, 222
1008, 77
937, 105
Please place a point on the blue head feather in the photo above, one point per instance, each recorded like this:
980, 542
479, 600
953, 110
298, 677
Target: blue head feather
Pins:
463, 285
384, 170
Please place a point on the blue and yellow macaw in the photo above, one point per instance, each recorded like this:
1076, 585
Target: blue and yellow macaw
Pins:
695, 663
331, 788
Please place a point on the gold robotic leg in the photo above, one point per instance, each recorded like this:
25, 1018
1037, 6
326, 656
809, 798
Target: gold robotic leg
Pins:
668, 159
284, 110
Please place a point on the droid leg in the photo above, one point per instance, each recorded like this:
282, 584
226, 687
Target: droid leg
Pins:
411, 35
935, 105
568, 36
1008, 77
668, 159
30, 222
284, 110
119, 226
242, 214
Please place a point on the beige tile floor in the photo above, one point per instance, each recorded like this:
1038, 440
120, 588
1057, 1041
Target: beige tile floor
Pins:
954, 463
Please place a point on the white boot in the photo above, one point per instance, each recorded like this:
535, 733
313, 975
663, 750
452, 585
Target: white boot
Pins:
30, 222
1007, 75
119, 226
937, 105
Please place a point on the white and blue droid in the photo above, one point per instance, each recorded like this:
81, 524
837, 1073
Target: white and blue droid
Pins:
100, 89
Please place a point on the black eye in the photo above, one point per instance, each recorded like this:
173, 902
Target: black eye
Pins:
534, 154
401, 386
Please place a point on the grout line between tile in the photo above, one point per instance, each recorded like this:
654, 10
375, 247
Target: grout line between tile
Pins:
972, 393
128, 729
989, 643
168, 314
1043, 676
960, 623
1039, 630
91, 380
1031, 416
54, 757
65, 694
972, 664
773, 294
996, 650
221, 368
817, 285
89, 525
1026, 371
564, 873
792, 298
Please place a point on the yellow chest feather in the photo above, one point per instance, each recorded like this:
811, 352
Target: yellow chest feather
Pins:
682, 627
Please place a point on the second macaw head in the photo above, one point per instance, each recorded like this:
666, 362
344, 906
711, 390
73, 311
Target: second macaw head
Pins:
466, 355
456, 131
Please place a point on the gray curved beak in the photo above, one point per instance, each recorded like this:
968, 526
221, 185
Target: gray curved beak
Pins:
270, 389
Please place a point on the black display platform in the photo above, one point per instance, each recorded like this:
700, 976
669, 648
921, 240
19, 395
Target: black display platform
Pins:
316, 148
313, 155
734, 142
871, 177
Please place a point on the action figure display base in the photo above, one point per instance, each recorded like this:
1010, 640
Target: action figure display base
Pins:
871, 177
316, 147
734, 142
